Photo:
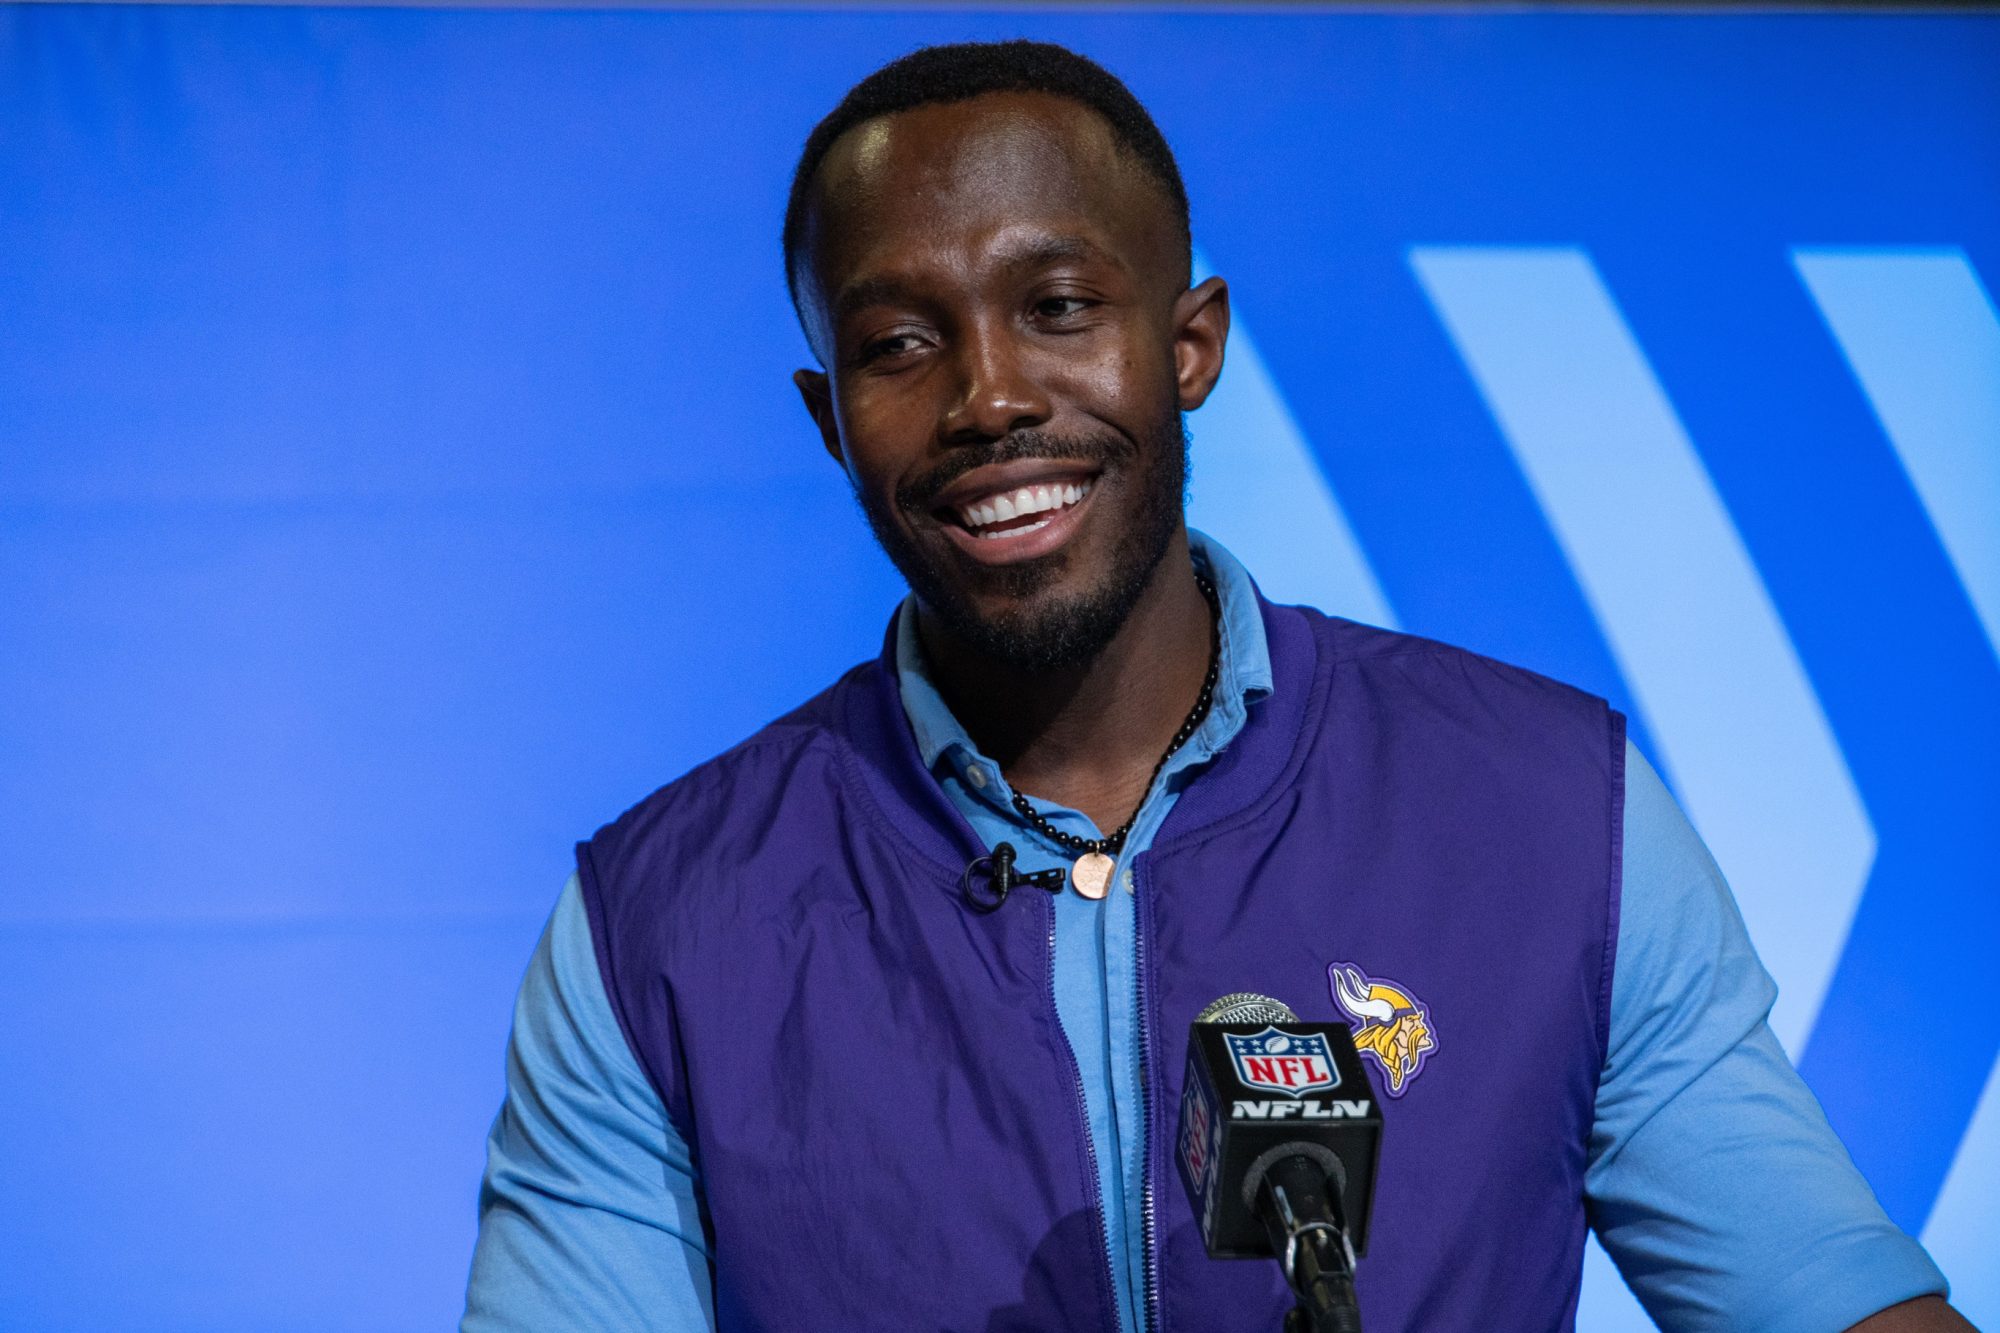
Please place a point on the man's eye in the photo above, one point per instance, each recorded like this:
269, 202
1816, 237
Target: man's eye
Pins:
1058, 307
895, 344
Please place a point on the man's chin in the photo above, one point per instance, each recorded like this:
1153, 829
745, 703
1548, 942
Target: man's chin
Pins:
1044, 645
1040, 628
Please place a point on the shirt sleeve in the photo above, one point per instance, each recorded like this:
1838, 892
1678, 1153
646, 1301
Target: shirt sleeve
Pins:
1715, 1182
589, 1213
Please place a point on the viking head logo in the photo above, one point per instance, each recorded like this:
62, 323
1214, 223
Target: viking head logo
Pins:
1390, 1024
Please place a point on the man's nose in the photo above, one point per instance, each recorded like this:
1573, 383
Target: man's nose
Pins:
997, 394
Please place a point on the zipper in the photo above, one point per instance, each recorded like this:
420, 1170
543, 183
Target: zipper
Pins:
1109, 1284
1149, 1249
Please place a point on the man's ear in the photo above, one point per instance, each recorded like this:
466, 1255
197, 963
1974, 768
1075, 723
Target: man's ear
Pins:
1201, 327
817, 394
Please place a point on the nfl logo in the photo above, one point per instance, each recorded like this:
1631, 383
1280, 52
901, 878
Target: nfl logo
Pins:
1195, 1124
1283, 1061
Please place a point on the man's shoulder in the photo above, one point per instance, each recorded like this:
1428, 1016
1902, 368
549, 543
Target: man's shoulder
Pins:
1430, 665
744, 784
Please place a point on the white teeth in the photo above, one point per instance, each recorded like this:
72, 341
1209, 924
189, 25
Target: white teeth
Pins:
1019, 504
1012, 532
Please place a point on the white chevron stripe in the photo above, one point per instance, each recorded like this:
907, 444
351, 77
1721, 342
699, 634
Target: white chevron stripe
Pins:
1923, 339
1258, 490
1607, 1305
1965, 1222
1688, 619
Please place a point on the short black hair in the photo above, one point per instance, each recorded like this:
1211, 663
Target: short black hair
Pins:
964, 70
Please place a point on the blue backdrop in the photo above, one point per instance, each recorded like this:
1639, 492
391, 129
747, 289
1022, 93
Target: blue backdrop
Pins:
399, 477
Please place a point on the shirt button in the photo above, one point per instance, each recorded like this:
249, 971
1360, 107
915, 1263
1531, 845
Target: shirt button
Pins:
976, 776
1126, 880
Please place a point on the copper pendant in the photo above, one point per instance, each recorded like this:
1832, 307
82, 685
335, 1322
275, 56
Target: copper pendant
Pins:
1091, 874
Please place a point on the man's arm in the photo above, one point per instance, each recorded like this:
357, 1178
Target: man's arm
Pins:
590, 1215
1715, 1183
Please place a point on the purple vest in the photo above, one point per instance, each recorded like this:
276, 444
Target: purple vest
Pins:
885, 1115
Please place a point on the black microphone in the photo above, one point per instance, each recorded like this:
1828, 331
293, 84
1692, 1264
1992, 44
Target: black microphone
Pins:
997, 869
1279, 1135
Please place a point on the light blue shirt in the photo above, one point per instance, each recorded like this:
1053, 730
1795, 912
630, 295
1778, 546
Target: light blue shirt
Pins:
1714, 1180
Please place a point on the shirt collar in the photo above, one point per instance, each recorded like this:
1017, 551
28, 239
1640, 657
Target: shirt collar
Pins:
1243, 674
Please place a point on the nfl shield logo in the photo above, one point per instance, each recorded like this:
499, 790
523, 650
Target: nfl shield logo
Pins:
1283, 1061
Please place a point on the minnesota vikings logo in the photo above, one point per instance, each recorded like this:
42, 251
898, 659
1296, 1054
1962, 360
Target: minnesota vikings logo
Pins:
1390, 1024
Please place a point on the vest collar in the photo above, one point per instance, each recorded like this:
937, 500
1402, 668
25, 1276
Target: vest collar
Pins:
1256, 766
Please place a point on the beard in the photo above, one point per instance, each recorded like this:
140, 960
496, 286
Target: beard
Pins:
1044, 635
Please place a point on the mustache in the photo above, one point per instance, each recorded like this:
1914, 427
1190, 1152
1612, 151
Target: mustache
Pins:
1108, 451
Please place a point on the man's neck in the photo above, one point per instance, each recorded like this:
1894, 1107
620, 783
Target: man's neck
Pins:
1089, 738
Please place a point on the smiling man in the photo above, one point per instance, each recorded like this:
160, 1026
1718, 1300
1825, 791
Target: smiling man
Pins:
877, 1020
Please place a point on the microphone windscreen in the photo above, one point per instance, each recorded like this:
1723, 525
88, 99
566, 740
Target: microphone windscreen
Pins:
1247, 1007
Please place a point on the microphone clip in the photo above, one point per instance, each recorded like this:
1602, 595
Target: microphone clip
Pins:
997, 869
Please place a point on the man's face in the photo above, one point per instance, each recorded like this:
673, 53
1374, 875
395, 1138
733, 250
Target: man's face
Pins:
996, 292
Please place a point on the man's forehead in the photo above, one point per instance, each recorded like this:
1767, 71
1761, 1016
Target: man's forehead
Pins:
979, 165
956, 148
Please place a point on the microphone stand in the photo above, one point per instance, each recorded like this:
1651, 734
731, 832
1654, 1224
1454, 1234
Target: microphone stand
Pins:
1309, 1236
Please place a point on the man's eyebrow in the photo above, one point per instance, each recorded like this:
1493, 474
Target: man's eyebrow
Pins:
1037, 252
1044, 250
1041, 251
884, 290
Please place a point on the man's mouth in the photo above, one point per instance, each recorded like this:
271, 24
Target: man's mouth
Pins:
1008, 513
1025, 509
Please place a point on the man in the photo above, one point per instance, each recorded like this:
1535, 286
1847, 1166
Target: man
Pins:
802, 1047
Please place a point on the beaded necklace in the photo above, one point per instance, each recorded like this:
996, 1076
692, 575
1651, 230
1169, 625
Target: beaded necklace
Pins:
1090, 873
